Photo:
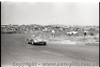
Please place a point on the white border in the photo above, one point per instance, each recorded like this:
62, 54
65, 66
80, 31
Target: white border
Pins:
53, 0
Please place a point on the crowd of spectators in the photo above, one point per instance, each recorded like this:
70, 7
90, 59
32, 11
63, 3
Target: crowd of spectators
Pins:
77, 30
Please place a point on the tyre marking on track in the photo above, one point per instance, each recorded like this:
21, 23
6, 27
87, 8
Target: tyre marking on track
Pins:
27, 57
52, 53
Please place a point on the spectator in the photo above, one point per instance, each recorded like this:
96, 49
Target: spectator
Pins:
53, 32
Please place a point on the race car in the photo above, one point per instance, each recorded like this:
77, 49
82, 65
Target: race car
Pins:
36, 40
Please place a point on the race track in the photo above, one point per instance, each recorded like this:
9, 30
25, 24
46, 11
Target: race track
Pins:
15, 49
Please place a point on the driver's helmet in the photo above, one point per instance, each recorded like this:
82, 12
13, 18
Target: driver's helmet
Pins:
33, 35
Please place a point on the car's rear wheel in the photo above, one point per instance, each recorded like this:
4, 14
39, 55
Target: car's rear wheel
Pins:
27, 42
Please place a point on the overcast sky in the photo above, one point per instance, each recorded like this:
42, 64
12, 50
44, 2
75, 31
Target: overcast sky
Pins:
44, 13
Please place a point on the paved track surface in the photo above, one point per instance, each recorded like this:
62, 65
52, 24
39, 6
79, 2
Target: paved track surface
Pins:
15, 49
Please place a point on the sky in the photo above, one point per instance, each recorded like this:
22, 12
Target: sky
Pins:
45, 13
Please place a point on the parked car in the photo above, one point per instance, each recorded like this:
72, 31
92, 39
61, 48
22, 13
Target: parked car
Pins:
36, 40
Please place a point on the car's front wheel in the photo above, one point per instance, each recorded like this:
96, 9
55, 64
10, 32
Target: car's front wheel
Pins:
32, 42
44, 43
